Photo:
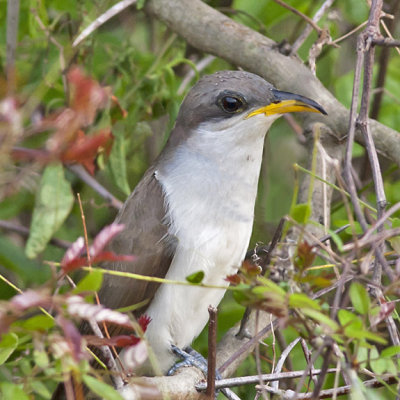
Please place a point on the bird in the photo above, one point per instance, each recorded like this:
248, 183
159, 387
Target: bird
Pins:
193, 210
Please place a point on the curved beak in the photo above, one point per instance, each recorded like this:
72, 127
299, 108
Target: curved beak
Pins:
286, 102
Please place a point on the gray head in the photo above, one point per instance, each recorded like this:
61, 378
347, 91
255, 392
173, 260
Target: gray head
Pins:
227, 93
227, 97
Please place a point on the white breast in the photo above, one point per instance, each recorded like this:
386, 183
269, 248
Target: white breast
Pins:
210, 187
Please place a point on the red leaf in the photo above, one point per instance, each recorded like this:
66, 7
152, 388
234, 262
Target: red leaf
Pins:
104, 237
118, 341
144, 321
233, 279
87, 96
73, 253
85, 148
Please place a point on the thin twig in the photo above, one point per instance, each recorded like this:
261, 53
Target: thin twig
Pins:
281, 361
212, 352
328, 393
12, 38
247, 380
107, 354
24, 231
200, 66
301, 15
307, 30
103, 18
82, 174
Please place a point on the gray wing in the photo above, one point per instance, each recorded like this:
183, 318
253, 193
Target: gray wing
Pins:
146, 237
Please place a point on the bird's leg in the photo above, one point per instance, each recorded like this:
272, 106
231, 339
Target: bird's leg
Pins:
191, 358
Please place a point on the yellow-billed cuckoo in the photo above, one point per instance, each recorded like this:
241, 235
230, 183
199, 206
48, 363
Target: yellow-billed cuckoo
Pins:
194, 208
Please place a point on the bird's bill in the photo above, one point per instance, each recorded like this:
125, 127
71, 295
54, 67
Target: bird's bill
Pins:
286, 102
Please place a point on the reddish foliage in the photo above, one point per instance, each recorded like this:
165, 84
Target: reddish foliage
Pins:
144, 321
85, 148
73, 338
305, 255
67, 141
73, 258
233, 279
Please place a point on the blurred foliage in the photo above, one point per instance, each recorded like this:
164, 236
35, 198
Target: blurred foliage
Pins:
143, 65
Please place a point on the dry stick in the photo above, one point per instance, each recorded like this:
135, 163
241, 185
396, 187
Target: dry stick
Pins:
301, 15
12, 37
111, 12
247, 380
24, 231
281, 361
107, 354
242, 333
372, 31
324, 370
202, 64
386, 42
307, 30
82, 174
328, 393
212, 352
383, 65
307, 355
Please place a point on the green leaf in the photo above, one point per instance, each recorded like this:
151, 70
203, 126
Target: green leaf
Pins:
378, 364
53, 203
38, 323
336, 239
357, 333
301, 213
40, 388
41, 359
390, 351
268, 285
118, 160
140, 4
300, 300
91, 282
103, 390
12, 391
360, 298
320, 317
196, 277
347, 318
8, 344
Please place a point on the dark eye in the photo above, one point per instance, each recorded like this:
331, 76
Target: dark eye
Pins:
231, 104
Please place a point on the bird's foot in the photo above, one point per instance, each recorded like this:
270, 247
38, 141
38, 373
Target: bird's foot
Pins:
191, 358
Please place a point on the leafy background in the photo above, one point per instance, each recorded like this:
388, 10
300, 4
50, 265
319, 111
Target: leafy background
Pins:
144, 64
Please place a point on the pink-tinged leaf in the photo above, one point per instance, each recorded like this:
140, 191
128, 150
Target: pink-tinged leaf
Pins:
85, 149
135, 356
104, 237
73, 338
144, 321
77, 307
386, 309
117, 341
75, 264
233, 279
87, 96
74, 251
29, 299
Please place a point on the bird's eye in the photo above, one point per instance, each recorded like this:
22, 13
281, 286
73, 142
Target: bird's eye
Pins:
231, 104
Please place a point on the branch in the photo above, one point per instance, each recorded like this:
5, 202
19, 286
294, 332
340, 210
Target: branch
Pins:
210, 31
